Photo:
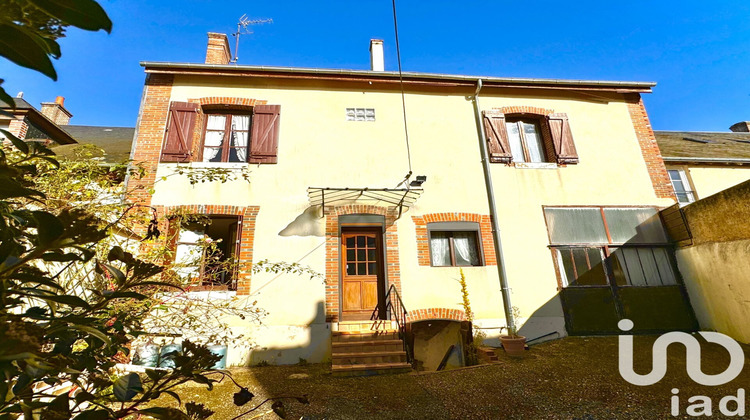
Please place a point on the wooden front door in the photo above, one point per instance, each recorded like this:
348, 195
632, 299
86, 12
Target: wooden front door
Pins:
362, 280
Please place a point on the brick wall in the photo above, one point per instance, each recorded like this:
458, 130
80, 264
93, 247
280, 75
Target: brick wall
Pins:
485, 232
650, 150
18, 128
246, 236
333, 264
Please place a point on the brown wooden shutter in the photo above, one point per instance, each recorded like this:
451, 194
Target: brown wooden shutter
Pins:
562, 139
178, 136
264, 141
497, 137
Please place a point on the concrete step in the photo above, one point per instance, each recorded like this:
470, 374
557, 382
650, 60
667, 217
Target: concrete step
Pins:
365, 326
370, 369
366, 346
340, 336
369, 358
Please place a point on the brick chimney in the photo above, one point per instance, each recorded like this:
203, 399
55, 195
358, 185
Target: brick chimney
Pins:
741, 127
56, 111
377, 62
218, 49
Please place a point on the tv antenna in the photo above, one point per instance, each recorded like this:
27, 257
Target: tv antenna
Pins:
243, 28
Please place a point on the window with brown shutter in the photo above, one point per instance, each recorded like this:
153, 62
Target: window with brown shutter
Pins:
178, 137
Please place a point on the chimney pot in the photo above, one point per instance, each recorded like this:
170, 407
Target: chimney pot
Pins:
741, 127
376, 55
217, 51
60, 100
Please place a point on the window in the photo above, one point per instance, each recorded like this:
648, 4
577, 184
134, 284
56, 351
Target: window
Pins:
525, 139
454, 244
599, 246
681, 186
226, 138
206, 251
237, 133
360, 114
529, 138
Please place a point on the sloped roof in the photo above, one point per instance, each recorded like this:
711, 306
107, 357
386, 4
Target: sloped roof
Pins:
48, 129
706, 146
115, 141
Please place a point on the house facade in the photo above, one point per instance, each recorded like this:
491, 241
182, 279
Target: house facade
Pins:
577, 183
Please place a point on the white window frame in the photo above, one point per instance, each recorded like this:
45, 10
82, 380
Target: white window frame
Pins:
689, 193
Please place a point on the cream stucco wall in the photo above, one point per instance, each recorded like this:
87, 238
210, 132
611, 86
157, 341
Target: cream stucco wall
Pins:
319, 148
708, 180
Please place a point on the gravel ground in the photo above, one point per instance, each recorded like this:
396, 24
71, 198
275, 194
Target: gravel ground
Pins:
572, 378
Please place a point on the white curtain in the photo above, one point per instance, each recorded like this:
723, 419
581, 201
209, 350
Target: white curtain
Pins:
514, 137
466, 249
214, 136
240, 126
533, 142
189, 254
440, 249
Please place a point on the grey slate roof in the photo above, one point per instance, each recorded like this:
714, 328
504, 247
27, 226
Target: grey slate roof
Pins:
711, 146
116, 141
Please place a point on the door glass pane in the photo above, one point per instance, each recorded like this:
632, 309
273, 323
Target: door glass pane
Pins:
664, 264
360, 241
635, 225
351, 269
350, 242
361, 269
372, 268
371, 254
361, 255
370, 242
533, 142
575, 225
440, 249
350, 255
514, 137
585, 263
567, 266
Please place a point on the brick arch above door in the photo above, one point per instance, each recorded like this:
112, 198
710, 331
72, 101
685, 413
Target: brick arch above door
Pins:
333, 263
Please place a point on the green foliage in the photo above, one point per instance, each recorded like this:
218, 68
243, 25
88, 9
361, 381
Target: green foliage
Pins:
29, 30
479, 336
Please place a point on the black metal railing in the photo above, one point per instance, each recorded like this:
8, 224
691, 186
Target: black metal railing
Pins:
395, 311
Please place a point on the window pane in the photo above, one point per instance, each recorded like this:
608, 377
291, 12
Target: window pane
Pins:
465, 244
630, 264
533, 142
664, 264
440, 249
514, 137
635, 225
567, 266
585, 263
575, 225
644, 267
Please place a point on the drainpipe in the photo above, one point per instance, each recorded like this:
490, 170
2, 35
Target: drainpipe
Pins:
493, 213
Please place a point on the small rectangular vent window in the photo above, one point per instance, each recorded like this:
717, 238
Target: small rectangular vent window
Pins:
360, 114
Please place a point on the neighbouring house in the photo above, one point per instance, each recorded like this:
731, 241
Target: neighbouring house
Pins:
577, 183
701, 164
30, 124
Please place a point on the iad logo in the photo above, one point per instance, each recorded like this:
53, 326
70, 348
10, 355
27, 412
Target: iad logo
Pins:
701, 404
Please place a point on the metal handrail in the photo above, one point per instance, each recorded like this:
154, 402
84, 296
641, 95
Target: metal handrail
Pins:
395, 312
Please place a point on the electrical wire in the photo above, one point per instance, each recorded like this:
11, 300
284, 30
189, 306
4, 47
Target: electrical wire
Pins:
401, 82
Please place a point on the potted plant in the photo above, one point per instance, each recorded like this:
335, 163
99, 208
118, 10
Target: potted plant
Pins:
513, 343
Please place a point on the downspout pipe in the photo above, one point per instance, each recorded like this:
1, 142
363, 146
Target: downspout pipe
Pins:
504, 289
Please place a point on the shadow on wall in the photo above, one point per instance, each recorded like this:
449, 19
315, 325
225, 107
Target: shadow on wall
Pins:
292, 344
309, 223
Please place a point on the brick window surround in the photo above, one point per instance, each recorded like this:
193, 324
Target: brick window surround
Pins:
246, 236
485, 232
333, 240
657, 171
436, 314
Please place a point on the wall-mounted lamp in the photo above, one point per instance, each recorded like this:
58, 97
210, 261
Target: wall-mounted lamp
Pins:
419, 181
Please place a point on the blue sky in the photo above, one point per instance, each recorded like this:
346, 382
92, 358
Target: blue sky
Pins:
697, 51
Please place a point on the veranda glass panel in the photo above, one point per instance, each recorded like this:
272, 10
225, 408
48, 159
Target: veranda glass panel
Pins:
635, 225
582, 266
643, 267
575, 226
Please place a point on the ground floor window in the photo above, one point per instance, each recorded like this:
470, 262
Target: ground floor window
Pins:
206, 251
454, 244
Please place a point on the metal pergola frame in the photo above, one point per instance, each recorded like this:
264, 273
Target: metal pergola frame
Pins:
397, 197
